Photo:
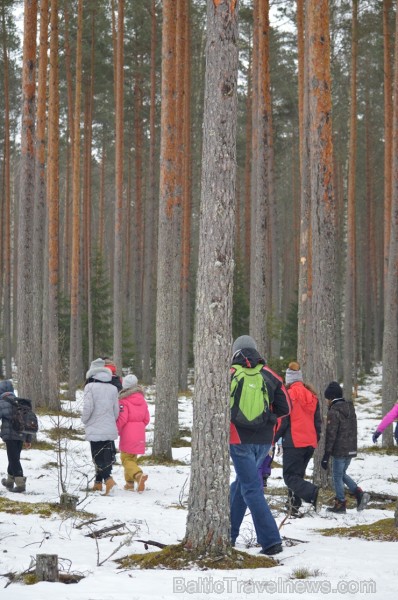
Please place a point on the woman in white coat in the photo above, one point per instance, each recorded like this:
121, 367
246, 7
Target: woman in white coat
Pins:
100, 412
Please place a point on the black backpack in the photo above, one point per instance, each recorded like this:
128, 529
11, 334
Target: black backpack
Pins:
23, 419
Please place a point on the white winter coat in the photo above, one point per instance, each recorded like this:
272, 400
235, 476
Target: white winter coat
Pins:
100, 408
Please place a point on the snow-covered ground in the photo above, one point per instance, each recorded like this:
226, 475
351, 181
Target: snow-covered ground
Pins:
345, 568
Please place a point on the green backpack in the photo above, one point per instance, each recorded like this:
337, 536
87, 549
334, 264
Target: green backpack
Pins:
249, 400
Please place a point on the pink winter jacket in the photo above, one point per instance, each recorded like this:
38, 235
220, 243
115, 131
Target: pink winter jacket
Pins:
132, 420
388, 418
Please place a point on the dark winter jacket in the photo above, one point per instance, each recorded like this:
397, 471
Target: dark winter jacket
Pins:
7, 432
302, 428
341, 429
278, 398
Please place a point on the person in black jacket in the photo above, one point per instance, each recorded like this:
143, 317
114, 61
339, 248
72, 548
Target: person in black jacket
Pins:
14, 441
248, 449
341, 443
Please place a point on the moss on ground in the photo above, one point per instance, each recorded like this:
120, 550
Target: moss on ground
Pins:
177, 557
57, 433
43, 509
42, 445
379, 450
50, 412
384, 531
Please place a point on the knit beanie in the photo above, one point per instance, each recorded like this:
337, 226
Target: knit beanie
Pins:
244, 341
129, 381
293, 373
333, 391
97, 366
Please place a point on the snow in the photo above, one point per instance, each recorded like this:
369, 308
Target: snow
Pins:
344, 568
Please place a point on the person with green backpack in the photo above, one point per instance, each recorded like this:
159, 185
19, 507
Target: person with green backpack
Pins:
258, 398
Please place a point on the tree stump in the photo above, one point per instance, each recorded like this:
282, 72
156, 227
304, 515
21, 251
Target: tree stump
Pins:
68, 501
47, 567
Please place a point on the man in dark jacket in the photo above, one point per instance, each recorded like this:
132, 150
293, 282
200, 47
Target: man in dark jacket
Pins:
14, 441
248, 449
341, 443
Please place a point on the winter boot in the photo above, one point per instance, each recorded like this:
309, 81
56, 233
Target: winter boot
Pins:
362, 498
314, 500
97, 487
109, 484
20, 484
339, 507
265, 481
129, 486
140, 478
9, 482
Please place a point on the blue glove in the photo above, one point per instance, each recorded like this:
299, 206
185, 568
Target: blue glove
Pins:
375, 435
325, 460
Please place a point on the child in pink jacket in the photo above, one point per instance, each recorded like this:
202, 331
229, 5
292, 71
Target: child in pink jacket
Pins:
133, 418
386, 421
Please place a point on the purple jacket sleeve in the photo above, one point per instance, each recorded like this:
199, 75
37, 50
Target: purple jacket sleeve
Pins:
388, 419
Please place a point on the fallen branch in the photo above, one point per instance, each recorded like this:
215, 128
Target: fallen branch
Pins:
152, 543
89, 522
100, 532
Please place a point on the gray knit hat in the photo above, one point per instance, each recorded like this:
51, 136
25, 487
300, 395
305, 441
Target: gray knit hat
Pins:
293, 373
129, 381
97, 366
244, 341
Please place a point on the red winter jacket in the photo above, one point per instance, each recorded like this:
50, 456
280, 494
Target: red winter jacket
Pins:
133, 418
302, 427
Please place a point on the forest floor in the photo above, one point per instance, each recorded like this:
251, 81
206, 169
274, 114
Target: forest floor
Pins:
352, 555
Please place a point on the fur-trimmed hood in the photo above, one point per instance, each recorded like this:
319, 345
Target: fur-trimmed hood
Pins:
127, 392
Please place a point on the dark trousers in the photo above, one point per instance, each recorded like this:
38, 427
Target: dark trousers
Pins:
103, 454
14, 448
295, 461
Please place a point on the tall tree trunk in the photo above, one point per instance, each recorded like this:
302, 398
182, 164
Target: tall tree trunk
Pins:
260, 281
150, 218
70, 147
248, 167
51, 393
304, 341
27, 368
39, 213
323, 208
187, 207
6, 212
388, 117
117, 270
208, 529
350, 333
87, 190
390, 355
138, 247
75, 356
101, 203
168, 281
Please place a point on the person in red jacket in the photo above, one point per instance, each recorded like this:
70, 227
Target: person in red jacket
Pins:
300, 433
133, 418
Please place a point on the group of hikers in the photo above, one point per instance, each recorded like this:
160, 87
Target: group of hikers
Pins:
291, 417
265, 414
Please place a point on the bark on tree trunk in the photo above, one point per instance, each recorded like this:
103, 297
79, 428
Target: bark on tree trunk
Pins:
208, 507
350, 335
7, 346
117, 269
168, 283
27, 368
40, 213
150, 219
75, 366
323, 209
51, 394
390, 356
